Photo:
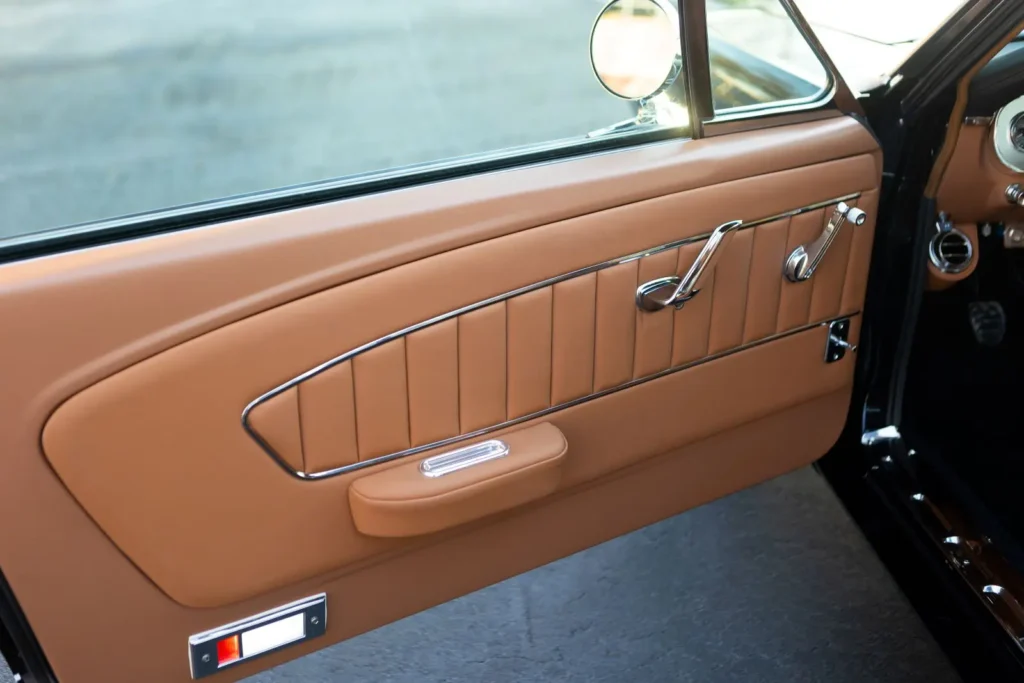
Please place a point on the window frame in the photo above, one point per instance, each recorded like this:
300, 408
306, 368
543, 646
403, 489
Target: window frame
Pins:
826, 99
703, 123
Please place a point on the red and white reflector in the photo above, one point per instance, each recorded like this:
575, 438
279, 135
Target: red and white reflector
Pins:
230, 644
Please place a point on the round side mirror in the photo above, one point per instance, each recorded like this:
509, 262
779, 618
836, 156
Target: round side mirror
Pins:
635, 49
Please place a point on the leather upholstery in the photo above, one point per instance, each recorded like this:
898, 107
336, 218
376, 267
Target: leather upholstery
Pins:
541, 349
134, 360
973, 188
401, 501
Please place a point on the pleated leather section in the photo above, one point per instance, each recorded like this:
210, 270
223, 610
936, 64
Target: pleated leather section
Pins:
560, 343
654, 329
327, 408
382, 404
828, 279
765, 281
615, 325
692, 323
572, 338
729, 306
795, 297
276, 420
482, 368
432, 356
529, 352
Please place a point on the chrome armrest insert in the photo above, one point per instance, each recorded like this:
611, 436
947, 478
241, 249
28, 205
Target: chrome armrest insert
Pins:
461, 458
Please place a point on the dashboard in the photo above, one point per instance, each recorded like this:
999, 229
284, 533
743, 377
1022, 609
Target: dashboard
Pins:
983, 185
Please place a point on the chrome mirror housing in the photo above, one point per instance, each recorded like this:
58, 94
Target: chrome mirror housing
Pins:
635, 49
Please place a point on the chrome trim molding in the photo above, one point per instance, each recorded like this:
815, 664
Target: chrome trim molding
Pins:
885, 434
967, 551
525, 418
493, 300
461, 458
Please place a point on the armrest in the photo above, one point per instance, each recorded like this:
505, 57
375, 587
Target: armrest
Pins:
406, 500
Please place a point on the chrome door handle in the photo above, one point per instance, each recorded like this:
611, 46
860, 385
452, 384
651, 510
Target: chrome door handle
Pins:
683, 289
804, 260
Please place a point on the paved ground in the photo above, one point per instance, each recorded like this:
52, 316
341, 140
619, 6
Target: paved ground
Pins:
774, 584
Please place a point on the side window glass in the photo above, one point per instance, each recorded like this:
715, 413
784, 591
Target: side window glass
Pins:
759, 59
116, 108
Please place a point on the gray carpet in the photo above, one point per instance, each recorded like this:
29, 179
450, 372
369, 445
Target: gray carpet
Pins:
772, 584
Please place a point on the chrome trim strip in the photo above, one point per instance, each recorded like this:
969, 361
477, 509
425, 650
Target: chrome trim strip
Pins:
978, 562
461, 458
519, 420
326, 365
887, 433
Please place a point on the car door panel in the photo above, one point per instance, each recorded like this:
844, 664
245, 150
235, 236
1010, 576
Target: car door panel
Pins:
385, 329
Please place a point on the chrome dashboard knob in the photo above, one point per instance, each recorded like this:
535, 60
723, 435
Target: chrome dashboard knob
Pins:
1015, 194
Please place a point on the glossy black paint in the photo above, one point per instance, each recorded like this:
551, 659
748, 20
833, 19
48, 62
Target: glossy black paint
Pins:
997, 82
18, 644
909, 117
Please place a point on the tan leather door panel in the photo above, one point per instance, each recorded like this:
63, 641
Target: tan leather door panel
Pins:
96, 439
400, 326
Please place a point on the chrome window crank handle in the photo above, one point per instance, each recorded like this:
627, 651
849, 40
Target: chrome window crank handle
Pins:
804, 260
650, 295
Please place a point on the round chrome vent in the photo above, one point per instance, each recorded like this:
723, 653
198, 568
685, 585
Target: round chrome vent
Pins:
951, 251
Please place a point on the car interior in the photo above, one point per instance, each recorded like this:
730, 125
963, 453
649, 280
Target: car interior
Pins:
265, 433
320, 420
962, 399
